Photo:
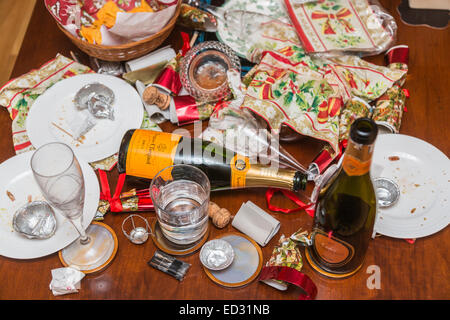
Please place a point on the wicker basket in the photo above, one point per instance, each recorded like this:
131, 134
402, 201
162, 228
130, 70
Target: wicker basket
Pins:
126, 51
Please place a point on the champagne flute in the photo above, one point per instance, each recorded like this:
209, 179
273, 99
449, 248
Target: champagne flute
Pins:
60, 178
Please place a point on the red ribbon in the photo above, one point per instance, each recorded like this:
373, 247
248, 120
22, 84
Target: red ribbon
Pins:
292, 276
105, 194
339, 16
292, 196
186, 45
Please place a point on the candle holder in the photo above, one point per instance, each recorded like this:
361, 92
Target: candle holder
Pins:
203, 71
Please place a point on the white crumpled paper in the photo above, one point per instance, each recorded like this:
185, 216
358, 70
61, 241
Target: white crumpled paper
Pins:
65, 280
136, 26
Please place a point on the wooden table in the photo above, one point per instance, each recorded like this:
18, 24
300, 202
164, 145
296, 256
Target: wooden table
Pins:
408, 271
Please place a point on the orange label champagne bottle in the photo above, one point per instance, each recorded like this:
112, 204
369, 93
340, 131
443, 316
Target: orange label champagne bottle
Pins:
143, 153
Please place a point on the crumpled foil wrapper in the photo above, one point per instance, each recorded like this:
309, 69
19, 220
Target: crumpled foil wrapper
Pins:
35, 220
97, 98
65, 281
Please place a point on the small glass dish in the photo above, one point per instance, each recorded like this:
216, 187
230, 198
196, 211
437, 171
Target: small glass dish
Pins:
203, 70
217, 254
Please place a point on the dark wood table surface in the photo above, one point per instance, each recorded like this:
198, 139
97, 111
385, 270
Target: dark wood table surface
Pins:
408, 271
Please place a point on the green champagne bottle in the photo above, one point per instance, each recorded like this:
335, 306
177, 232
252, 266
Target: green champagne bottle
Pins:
143, 153
346, 208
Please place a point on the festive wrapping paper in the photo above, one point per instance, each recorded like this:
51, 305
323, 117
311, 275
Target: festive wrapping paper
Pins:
272, 35
359, 78
341, 25
288, 87
19, 94
284, 268
388, 109
285, 254
195, 18
354, 109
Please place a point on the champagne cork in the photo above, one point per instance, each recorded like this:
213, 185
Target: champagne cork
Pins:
152, 95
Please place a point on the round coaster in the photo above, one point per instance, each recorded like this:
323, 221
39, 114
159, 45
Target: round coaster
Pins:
102, 231
172, 248
246, 266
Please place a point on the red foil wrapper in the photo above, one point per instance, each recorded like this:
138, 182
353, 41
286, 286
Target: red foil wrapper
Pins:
291, 276
398, 54
169, 79
323, 160
189, 110
186, 108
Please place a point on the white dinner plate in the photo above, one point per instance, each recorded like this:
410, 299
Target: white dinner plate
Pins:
56, 105
422, 173
17, 178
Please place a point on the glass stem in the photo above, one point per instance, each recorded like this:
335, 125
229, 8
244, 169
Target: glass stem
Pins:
78, 224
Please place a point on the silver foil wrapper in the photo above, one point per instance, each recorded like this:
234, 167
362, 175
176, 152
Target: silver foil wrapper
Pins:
217, 254
97, 98
387, 192
35, 220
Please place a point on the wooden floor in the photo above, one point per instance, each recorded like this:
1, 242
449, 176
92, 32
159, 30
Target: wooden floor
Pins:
14, 18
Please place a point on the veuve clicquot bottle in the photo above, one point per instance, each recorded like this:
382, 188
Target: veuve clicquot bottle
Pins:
143, 153
346, 208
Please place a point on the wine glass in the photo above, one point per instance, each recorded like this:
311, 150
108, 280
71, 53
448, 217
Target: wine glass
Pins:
60, 178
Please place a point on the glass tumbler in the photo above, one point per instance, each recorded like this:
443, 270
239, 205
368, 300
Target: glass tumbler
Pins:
180, 194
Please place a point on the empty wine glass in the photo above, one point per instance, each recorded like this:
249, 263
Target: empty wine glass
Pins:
60, 178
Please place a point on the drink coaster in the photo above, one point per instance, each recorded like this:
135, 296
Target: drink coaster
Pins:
103, 230
246, 266
173, 248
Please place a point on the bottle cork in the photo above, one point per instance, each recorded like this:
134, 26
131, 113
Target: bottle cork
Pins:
152, 95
